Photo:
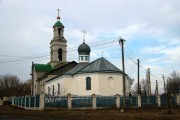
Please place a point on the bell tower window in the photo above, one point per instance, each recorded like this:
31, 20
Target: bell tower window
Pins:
60, 54
59, 32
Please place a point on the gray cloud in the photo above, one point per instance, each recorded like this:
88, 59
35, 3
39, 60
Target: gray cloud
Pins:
26, 28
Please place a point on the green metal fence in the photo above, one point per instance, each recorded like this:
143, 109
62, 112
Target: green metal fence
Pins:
131, 101
37, 99
164, 100
81, 101
56, 101
149, 101
106, 101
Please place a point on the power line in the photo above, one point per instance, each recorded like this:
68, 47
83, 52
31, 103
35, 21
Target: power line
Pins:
34, 57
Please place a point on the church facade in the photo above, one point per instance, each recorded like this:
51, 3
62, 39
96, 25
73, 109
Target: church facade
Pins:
60, 77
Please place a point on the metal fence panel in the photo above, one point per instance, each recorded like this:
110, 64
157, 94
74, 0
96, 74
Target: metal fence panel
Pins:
56, 101
27, 101
106, 101
16, 100
37, 101
81, 101
131, 101
23, 101
174, 100
19, 101
164, 100
148, 101
32, 98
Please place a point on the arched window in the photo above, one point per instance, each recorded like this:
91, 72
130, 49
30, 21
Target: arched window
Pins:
53, 91
59, 32
110, 82
60, 54
88, 83
48, 90
58, 89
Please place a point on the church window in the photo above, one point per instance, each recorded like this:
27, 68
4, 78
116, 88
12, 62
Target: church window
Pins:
59, 32
88, 83
48, 90
81, 57
110, 82
86, 58
60, 54
58, 89
53, 91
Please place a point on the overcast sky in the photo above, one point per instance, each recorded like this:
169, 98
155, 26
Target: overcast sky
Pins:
151, 29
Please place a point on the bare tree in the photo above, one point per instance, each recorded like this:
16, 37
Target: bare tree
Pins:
142, 88
173, 83
131, 81
172, 87
10, 85
53, 95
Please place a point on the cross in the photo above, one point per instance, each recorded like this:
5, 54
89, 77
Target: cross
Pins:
58, 11
84, 33
102, 54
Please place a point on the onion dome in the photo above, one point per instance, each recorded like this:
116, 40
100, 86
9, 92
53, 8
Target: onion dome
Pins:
58, 24
84, 49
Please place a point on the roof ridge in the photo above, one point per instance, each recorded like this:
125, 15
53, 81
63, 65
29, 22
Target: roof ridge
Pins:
88, 65
81, 68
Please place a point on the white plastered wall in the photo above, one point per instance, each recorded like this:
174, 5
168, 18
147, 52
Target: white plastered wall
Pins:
76, 85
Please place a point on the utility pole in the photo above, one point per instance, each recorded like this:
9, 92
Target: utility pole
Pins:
138, 77
164, 83
148, 81
121, 42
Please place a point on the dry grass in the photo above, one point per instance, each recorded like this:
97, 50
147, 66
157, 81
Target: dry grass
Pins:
103, 114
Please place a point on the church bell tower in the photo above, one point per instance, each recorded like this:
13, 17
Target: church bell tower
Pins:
58, 44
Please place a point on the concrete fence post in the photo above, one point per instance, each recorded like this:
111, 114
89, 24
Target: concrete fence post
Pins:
117, 101
178, 99
12, 100
139, 101
94, 101
41, 101
159, 100
69, 101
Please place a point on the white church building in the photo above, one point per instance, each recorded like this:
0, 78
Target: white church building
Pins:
60, 77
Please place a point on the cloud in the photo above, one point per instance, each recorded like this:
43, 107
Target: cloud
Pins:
151, 30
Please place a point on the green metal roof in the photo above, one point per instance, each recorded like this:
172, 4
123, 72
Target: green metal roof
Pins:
43, 67
58, 24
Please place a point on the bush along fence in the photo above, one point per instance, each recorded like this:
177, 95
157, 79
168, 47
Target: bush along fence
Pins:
92, 101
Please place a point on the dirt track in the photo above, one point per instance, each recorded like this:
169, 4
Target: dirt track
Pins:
14, 113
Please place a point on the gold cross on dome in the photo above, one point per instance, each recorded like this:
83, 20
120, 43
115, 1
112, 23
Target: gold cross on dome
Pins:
84, 33
58, 11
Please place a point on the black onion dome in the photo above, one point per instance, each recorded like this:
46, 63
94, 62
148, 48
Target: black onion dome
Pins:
84, 49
